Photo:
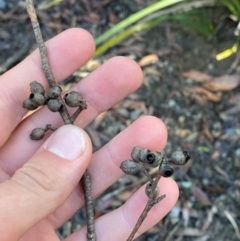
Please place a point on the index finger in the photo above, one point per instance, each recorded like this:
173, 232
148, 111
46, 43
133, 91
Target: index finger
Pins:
14, 84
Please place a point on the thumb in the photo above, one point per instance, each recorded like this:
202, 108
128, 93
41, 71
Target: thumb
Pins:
44, 182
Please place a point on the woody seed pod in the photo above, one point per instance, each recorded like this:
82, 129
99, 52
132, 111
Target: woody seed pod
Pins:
37, 99
179, 157
145, 156
150, 192
130, 167
166, 170
54, 105
27, 104
36, 87
37, 134
74, 99
54, 92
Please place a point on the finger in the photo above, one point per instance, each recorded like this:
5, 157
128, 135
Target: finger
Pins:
102, 89
67, 52
118, 224
148, 132
44, 182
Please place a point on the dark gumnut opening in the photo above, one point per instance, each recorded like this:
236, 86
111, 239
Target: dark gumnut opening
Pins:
150, 158
31, 96
187, 155
168, 173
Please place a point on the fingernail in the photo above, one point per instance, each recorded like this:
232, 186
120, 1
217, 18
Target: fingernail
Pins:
67, 142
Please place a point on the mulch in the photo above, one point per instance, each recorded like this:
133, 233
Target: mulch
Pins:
205, 124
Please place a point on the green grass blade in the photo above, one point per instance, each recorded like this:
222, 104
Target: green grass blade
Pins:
135, 17
113, 41
118, 38
202, 26
237, 7
231, 7
48, 4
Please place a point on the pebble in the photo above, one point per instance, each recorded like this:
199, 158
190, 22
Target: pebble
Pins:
210, 66
135, 114
205, 181
181, 119
171, 103
123, 112
237, 152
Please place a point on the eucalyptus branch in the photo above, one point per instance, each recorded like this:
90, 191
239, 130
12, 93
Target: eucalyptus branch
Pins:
56, 103
42, 48
91, 234
150, 204
143, 158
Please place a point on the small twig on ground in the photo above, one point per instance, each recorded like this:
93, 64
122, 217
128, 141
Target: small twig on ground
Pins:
141, 158
56, 103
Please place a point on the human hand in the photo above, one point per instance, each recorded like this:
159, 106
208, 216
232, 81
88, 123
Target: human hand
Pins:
39, 187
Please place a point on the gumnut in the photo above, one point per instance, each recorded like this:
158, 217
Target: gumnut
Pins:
179, 157
54, 105
36, 87
37, 134
145, 156
54, 92
27, 104
150, 192
130, 167
34, 101
166, 170
37, 99
74, 99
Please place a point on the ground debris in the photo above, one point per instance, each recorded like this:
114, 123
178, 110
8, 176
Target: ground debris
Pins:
196, 106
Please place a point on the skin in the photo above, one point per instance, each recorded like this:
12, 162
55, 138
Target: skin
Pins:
40, 190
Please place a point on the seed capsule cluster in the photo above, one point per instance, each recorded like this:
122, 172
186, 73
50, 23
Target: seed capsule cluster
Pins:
143, 158
36, 98
53, 100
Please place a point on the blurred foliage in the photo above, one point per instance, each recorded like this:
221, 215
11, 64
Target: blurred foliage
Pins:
233, 6
134, 18
119, 37
161, 11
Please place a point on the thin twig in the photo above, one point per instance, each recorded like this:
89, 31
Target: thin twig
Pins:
152, 200
67, 119
75, 114
91, 235
42, 48
150, 204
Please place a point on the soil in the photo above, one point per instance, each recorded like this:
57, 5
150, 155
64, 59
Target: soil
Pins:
208, 207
